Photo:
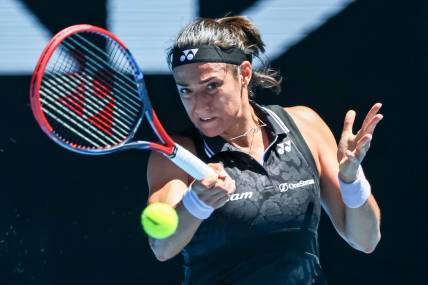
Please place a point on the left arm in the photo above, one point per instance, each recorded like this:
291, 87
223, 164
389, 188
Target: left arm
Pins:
360, 227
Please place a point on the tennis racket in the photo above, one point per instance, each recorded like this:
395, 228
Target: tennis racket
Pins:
88, 95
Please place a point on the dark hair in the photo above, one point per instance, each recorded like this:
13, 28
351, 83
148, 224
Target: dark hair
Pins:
236, 31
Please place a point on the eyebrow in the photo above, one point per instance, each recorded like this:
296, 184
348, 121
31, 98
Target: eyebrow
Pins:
200, 82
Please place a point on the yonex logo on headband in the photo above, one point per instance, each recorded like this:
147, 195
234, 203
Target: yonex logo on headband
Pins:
188, 54
208, 53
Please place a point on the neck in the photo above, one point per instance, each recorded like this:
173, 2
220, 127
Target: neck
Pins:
247, 130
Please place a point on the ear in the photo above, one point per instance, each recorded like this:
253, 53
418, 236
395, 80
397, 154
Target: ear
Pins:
246, 73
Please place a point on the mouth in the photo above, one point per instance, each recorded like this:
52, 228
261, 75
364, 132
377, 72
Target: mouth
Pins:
206, 119
207, 122
209, 125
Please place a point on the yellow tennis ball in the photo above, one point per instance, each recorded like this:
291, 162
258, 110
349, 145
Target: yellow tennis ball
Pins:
159, 220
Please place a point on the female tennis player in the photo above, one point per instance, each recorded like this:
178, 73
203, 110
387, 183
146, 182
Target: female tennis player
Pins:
256, 220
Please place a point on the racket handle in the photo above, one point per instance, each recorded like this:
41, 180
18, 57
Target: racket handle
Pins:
190, 163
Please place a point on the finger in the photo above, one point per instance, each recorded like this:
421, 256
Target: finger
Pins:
373, 123
206, 183
219, 169
347, 141
348, 157
363, 140
222, 174
227, 186
373, 111
351, 156
230, 185
349, 121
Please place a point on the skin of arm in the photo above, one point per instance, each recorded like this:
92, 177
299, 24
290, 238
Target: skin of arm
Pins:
167, 183
359, 227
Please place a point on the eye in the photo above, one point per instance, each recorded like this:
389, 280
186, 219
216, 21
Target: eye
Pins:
184, 91
213, 86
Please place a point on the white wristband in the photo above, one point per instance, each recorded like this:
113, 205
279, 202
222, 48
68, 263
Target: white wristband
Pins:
196, 206
355, 194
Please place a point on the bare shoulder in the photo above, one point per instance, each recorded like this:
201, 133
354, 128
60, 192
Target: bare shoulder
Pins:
309, 121
311, 126
304, 115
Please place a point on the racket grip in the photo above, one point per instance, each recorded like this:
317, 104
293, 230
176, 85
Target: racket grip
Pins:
190, 163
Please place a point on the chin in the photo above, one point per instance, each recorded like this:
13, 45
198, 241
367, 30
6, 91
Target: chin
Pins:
209, 132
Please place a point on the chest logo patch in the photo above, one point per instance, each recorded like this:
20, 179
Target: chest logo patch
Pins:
283, 147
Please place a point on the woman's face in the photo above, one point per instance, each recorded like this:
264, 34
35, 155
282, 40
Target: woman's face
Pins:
211, 95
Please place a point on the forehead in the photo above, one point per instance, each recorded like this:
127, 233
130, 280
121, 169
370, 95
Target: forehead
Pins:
199, 71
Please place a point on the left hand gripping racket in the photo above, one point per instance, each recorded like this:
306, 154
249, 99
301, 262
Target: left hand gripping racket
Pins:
88, 95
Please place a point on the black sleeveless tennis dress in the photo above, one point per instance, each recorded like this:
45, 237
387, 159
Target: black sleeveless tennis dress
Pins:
267, 232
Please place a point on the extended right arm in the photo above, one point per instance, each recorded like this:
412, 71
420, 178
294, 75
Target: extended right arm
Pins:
168, 183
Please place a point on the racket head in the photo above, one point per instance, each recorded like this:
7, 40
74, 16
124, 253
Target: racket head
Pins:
87, 92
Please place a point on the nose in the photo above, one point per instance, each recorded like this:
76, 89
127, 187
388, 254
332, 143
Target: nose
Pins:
202, 104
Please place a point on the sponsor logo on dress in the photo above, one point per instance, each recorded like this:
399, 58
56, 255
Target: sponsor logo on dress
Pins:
283, 187
240, 196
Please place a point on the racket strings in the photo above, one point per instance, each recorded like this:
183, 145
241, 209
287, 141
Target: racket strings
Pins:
70, 114
57, 85
104, 79
107, 68
78, 124
71, 110
98, 128
117, 50
73, 130
74, 81
73, 106
102, 64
